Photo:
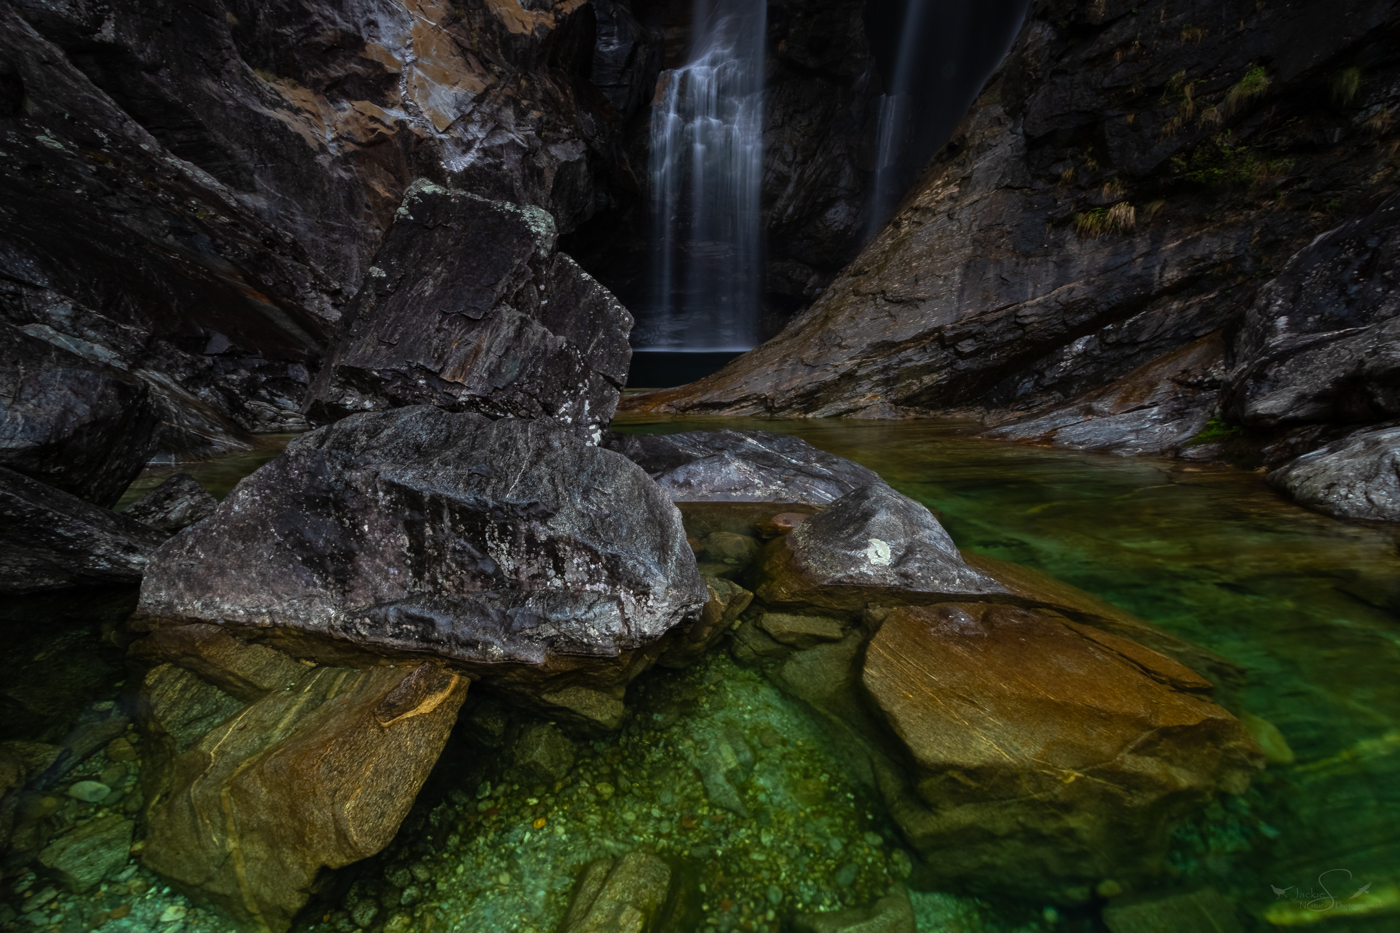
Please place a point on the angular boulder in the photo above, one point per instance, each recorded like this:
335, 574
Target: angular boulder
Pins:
869, 545
629, 894
419, 531
51, 540
1356, 477
253, 792
86, 854
81, 426
468, 306
1047, 756
175, 504
742, 466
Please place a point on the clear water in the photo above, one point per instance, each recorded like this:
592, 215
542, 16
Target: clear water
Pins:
1308, 605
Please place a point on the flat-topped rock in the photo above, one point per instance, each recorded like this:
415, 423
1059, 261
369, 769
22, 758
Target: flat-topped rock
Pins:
1047, 755
870, 545
469, 306
742, 466
419, 531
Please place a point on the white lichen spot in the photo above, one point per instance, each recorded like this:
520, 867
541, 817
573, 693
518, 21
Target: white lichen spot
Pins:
878, 553
376, 272
50, 142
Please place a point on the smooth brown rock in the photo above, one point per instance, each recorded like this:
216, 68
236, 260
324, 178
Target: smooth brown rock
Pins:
317, 774
1047, 755
781, 524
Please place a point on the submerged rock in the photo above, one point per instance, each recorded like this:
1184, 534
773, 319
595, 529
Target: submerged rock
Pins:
51, 540
418, 531
79, 425
175, 504
254, 792
88, 853
871, 544
1047, 755
629, 894
890, 914
742, 466
517, 330
1356, 477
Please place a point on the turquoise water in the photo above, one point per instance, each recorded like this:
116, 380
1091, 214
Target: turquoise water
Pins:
1309, 606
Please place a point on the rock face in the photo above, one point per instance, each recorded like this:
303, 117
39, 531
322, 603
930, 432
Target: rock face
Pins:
175, 504
1077, 748
1358, 477
871, 544
264, 771
742, 466
420, 531
515, 330
50, 540
1114, 195
1322, 342
81, 426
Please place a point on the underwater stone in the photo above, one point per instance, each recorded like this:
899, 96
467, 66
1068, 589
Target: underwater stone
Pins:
890, 914
90, 791
1186, 912
623, 895
543, 754
88, 853
1047, 755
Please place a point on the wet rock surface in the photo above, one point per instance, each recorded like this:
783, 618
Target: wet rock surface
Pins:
319, 771
627, 894
50, 540
421, 531
81, 426
519, 330
1357, 477
1117, 192
871, 544
174, 505
742, 466
998, 705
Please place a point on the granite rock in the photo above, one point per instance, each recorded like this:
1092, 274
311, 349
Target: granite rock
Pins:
174, 505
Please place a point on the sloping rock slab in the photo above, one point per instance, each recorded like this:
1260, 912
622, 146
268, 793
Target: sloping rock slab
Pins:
869, 545
1048, 756
1356, 477
742, 466
175, 504
319, 773
468, 306
50, 540
422, 531
630, 894
73, 423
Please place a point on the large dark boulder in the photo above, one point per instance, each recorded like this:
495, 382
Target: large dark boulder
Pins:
79, 425
51, 540
1322, 342
1356, 477
468, 306
742, 466
504, 547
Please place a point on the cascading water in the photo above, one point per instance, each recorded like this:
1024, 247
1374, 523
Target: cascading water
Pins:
895, 119
705, 173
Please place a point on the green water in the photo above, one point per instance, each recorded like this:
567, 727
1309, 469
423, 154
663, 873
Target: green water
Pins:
1309, 606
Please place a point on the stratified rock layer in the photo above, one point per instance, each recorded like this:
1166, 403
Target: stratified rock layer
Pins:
742, 466
50, 540
1073, 749
422, 531
469, 307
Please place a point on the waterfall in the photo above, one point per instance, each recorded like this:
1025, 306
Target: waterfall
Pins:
705, 174
897, 107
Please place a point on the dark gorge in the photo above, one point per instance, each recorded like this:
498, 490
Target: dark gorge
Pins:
695, 466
